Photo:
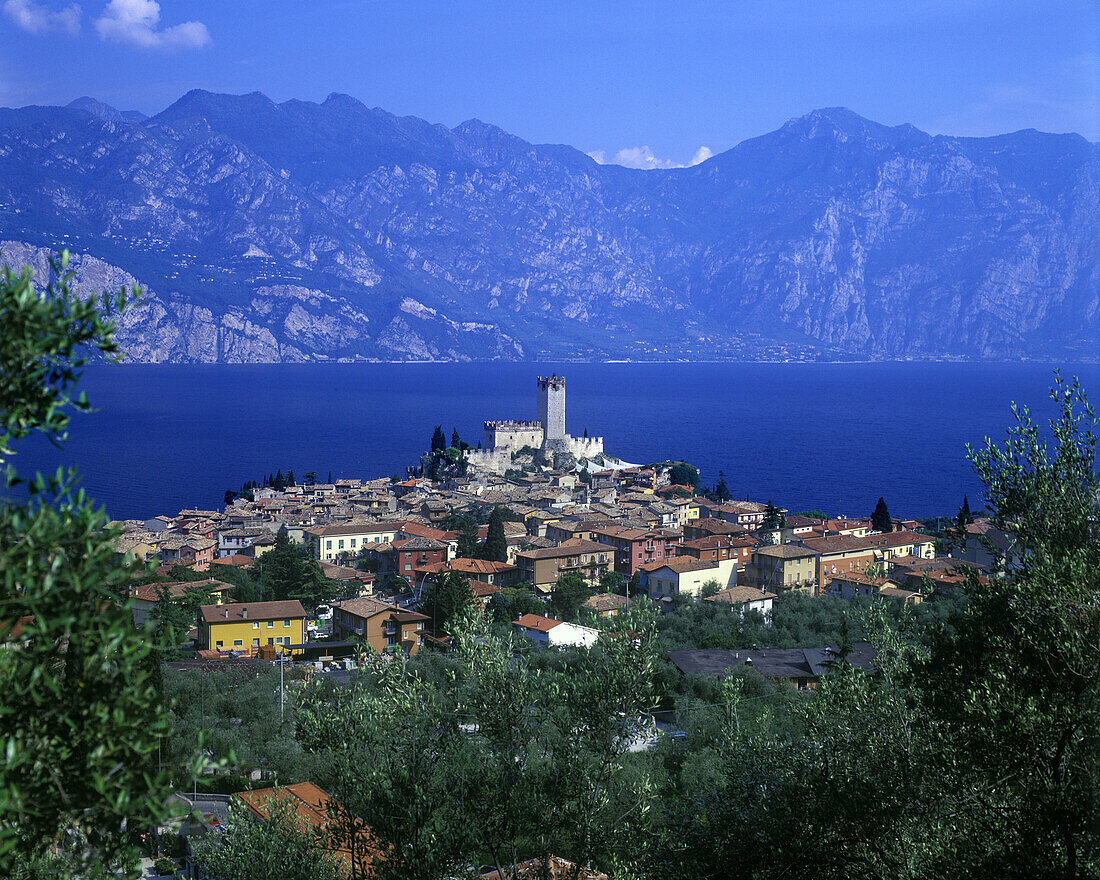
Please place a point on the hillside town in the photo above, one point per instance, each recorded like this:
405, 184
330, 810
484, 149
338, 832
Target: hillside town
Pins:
619, 533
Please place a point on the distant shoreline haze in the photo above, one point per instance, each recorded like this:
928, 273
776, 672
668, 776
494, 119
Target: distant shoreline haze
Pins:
828, 436
300, 232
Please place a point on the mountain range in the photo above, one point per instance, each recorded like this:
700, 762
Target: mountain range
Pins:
298, 231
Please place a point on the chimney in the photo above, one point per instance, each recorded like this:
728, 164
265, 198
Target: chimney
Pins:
227, 612
244, 613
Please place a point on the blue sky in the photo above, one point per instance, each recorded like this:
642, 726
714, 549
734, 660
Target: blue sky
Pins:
648, 83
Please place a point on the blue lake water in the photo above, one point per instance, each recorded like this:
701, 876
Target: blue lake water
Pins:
832, 436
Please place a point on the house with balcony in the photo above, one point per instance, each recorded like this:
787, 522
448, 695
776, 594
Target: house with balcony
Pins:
383, 626
781, 567
542, 568
637, 547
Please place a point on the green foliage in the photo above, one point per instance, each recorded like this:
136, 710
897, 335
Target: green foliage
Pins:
286, 571
721, 492
512, 603
446, 597
813, 514
400, 762
684, 474
278, 847
1018, 681
773, 517
881, 520
568, 595
496, 542
80, 713
439, 439
965, 517
235, 712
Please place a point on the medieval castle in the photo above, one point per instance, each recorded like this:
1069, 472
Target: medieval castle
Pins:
547, 435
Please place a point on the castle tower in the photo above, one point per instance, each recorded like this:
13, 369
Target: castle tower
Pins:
551, 411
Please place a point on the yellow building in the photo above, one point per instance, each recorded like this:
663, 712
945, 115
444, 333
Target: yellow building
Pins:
246, 626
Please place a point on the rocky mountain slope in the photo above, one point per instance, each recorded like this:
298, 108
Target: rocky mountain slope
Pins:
268, 232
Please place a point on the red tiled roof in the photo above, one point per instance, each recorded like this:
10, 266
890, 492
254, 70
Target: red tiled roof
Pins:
537, 622
236, 612
737, 595
311, 805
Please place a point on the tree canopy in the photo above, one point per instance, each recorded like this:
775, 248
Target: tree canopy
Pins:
81, 712
881, 520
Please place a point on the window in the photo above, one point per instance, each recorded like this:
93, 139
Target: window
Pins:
278, 640
353, 542
341, 545
286, 623
270, 624
237, 643
255, 624
217, 644
255, 643
271, 641
328, 545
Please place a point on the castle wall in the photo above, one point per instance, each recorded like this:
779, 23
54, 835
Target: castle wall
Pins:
511, 436
584, 447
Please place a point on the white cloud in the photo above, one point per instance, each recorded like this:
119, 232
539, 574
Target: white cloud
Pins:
38, 19
701, 155
136, 21
643, 157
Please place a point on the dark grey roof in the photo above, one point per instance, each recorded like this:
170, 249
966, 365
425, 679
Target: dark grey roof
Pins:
769, 662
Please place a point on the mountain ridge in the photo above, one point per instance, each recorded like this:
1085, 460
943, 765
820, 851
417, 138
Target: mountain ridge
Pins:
333, 231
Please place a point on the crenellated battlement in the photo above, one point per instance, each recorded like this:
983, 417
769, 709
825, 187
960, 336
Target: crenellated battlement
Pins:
512, 425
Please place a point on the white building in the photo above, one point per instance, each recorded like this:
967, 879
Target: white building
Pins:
742, 599
685, 576
547, 632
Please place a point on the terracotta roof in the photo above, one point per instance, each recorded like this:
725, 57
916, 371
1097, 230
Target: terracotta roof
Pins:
238, 611
715, 542
366, 607
482, 589
605, 602
784, 551
738, 595
151, 592
568, 548
419, 543
839, 544
900, 539
479, 566
310, 804
238, 560
537, 622
679, 564
354, 529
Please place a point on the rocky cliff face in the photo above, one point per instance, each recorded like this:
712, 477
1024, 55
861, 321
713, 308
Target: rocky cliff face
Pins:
299, 231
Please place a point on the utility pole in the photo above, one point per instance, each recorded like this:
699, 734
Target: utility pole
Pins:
282, 693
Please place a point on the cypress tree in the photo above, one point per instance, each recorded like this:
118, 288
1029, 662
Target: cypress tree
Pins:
881, 521
439, 439
456, 441
496, 542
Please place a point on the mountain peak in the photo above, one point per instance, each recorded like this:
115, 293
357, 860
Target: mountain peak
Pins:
849, 124
104, 111
200, 102
339, 99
